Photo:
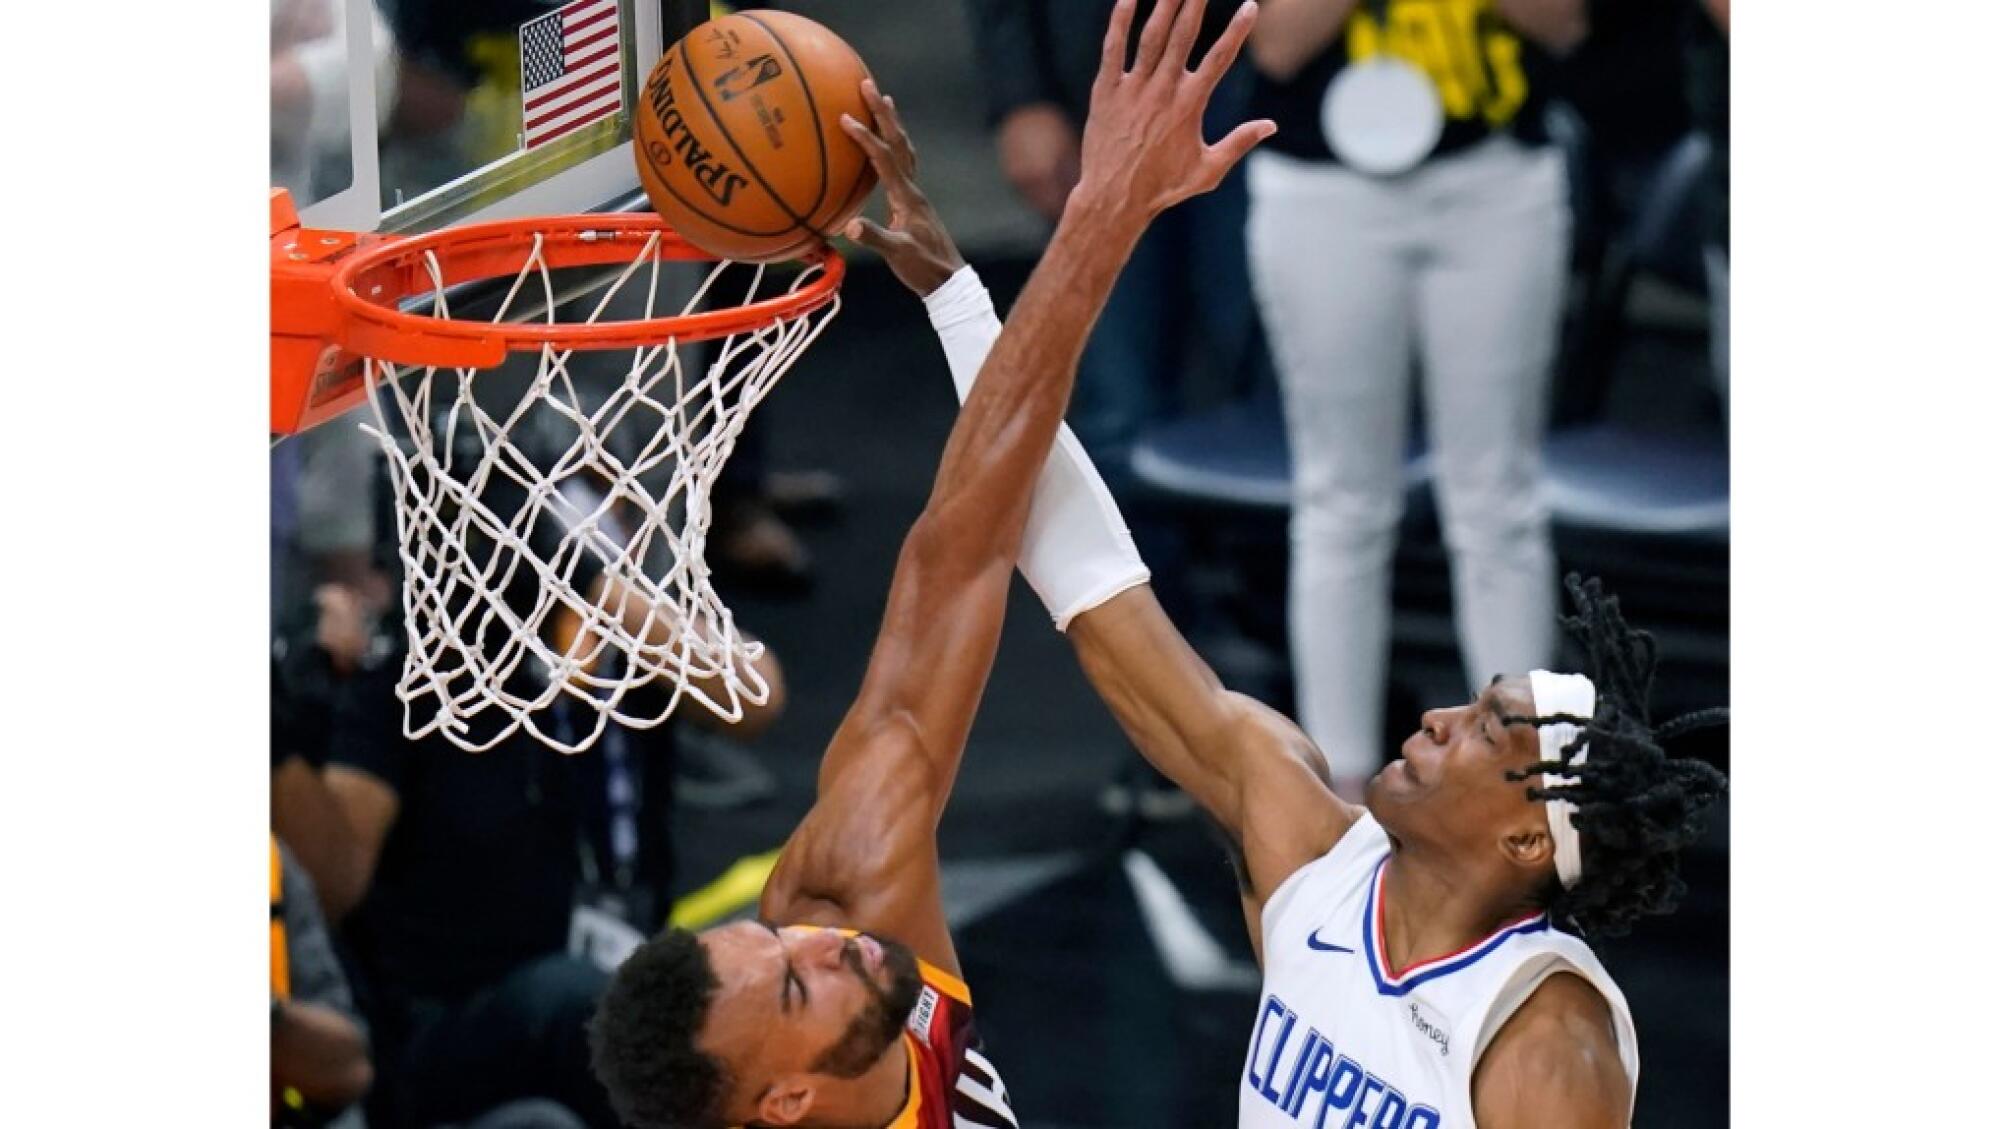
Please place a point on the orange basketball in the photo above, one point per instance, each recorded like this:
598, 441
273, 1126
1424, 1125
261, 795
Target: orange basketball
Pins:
738, 136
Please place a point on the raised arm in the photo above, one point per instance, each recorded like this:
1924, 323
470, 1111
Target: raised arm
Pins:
865, 853
1250, 768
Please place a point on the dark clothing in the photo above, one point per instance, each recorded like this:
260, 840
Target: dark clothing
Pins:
460, 945
1489, 79
441, 33
1625, 81
313, 976
480, 870
1047, 50
522, 1037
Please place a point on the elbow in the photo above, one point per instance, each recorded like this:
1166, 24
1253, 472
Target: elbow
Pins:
352, 1083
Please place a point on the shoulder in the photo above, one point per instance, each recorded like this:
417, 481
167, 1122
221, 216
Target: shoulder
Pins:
1555, 1062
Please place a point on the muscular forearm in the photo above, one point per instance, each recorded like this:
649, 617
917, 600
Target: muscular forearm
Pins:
1557, 25
1076, 552
1292, 33
987, 476
1079, 557
946, 603
320, 1053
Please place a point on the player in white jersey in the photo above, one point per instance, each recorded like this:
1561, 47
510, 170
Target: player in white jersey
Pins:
1422, 961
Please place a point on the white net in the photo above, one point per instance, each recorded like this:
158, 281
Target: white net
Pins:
552, 541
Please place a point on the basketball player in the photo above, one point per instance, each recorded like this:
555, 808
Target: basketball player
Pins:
843, 1005
1422, 954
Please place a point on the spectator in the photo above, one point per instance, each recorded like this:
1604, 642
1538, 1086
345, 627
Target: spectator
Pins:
320, 1064
319, 1045
310, 666
473, 879
1038, 58
461, 879
1409, 203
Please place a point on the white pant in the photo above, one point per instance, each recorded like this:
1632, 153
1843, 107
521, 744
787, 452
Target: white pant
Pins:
1462, 260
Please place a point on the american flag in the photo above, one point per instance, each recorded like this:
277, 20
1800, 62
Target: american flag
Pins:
571, 71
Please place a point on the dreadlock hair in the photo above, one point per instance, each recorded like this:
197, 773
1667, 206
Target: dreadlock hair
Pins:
1636, 807
642, 1037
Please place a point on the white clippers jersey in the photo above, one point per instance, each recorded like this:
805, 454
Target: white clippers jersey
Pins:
1343, 1042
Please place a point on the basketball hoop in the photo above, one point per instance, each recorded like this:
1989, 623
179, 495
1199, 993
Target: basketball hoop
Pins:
552, 546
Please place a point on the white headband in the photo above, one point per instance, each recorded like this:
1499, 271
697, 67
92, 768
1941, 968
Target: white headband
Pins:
1575, 696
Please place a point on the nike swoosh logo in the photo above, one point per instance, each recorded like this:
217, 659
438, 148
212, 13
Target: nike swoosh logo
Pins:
1313, 942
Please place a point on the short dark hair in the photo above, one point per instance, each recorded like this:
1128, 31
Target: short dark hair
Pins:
1636, 807
642, 1038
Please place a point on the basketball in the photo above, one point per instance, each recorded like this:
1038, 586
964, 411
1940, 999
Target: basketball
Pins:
738, 136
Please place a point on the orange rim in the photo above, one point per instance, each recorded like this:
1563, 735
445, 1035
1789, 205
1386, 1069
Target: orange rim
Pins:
370, 282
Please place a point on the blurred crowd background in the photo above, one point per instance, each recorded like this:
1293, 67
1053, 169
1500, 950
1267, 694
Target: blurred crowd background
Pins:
1361, 423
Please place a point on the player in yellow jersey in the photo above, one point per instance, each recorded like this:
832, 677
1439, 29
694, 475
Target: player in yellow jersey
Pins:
842, 1004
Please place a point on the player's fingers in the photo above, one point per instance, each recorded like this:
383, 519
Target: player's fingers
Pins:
1180, 44
1153, 39
864, 231
890, 120
890, 169
1223, 54
874, 236
887, 125
876, 150
1223, 155
1115, 39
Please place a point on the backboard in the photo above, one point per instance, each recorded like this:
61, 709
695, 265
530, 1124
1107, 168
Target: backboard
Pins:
411, 115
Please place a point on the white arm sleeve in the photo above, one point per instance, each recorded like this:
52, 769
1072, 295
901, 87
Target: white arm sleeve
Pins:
1077, 552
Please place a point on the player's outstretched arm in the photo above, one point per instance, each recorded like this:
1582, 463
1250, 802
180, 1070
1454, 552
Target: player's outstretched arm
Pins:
1252, 769
864, 851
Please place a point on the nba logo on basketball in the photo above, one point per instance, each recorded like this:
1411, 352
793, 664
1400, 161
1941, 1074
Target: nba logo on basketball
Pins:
735, 82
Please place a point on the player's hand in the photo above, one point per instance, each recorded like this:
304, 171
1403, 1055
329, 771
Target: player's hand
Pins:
915, 244
1142, 147
1041, 155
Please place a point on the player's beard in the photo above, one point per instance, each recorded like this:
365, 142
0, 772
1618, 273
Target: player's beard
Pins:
880, 1022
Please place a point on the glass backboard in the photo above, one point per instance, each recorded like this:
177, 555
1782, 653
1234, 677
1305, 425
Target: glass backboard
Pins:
460, 110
